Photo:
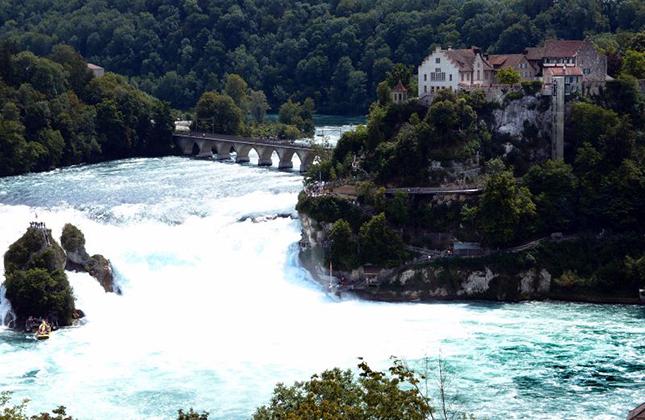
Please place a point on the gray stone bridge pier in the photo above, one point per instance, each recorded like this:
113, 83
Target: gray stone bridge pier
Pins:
206, 145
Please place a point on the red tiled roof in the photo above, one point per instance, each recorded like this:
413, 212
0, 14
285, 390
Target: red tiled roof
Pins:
465, 59
554, 48
504, 60
534, 53
400, 88
563, 71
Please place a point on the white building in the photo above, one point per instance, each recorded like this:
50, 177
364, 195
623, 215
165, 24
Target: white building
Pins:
96, 70
448, 69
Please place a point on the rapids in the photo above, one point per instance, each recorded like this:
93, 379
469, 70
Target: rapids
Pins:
215, 312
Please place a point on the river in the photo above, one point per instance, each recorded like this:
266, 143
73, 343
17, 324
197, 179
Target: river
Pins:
215, 311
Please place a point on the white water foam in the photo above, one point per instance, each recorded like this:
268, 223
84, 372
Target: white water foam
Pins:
214, 312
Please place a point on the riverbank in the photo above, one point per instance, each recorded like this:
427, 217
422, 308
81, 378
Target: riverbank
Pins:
588, 269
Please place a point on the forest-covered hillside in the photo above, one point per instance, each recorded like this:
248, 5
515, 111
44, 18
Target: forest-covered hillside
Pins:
335, 52
54, 113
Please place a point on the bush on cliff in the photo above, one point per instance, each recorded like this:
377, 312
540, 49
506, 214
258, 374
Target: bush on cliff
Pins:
379, 244
343, 253
73, 242
41, 293
329, 209
32, 251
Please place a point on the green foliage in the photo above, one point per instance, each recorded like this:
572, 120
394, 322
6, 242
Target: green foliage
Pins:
634, 64
41, 293
384, 93
335, 52
191, 415
506, 210
32, 251
398, 209
17, 412
236, 89
218, 113
54, 113
72, 239
554, 189
343, 251
400, 73
513, 96
380, 245
350, 143
258, 105
337, 394
329, 209
532, 87
298, 115
508, 76
635, 270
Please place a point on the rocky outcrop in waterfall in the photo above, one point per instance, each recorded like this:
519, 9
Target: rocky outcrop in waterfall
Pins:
78, 259
35, 280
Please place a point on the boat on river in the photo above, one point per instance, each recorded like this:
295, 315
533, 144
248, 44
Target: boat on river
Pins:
43, 331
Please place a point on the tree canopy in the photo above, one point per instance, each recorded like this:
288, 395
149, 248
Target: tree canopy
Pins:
333, 52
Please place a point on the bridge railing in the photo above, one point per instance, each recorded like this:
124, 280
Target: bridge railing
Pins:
233, 138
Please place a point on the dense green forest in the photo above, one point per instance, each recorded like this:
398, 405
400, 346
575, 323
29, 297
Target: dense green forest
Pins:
54, 113
334, 51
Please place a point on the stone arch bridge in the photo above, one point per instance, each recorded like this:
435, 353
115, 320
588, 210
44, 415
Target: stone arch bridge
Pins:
221, 146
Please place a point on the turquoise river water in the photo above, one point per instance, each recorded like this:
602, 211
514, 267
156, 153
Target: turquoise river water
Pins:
215, 311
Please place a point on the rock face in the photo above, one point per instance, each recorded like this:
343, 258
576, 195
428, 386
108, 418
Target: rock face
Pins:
101, 270
78, 259
36, 284
73, 242
516, 114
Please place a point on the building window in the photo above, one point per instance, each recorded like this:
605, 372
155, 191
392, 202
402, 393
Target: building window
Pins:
432, 77
437, 60
478, 78
451, 77
462, 76
425, 89
425, 77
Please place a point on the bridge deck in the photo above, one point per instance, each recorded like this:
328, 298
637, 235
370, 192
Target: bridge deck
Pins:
286, 144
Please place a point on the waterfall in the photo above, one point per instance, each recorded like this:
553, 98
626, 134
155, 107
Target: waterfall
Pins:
7, 316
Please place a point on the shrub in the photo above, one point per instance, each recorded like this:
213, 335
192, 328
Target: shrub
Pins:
38, 292
532, 87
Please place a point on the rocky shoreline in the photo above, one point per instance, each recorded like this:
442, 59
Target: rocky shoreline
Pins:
503, 278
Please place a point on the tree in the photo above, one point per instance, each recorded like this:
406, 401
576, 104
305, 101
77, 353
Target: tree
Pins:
258, 105
634, 64
379, 244
343, 253
508, 76
398, 209
400, 73
337, 394
17, 412
218, 113
384, 93
507, 211
236, 89
554, 189
40, 293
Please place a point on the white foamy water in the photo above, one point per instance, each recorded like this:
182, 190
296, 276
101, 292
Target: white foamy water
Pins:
214, 311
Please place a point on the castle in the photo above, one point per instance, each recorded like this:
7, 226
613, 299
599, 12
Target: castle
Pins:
583, 67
